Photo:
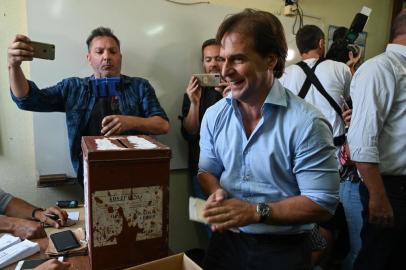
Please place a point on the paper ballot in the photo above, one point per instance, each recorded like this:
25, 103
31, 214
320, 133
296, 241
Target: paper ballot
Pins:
8, 240
17, 251
196, 207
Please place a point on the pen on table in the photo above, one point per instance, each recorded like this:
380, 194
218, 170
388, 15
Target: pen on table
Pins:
52, 216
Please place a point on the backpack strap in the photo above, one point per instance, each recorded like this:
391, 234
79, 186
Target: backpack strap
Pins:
312, 78
306, 85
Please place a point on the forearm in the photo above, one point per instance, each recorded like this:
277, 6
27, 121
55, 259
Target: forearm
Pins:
19, 208
208, 182
297, 210
6, 224
155, 124
18, 82
371, 176
191, 121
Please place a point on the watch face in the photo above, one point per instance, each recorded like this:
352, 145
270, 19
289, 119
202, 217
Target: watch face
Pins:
264, 211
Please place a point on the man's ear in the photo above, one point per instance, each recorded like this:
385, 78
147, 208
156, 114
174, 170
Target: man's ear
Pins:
272, 60
322, 43
88, 56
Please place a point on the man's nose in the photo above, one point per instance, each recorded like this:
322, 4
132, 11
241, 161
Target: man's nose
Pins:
106, 55
225, 69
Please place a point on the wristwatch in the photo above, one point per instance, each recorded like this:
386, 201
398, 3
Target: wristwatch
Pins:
264, 212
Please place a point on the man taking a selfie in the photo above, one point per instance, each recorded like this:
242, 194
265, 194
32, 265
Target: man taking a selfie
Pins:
130, 108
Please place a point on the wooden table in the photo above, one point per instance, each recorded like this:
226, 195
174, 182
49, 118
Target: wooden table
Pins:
78, 262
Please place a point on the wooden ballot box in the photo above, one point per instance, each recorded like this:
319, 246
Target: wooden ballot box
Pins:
126, 182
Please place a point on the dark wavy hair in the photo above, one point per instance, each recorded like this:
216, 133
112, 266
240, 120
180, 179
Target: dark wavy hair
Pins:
264, 29
339, 48
101, 32
209, 42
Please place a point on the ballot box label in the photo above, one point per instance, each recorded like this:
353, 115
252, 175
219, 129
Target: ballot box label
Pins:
139, 210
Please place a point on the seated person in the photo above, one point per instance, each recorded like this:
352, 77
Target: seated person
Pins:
21, 218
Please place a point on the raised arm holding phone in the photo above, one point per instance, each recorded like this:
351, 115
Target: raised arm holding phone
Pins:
133, 109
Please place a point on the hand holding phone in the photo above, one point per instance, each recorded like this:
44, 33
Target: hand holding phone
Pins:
43, 50
208, 79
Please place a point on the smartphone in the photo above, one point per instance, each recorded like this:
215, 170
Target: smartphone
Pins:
344, 105
208, 79
64, 240
31, 264
67, 204
43, 50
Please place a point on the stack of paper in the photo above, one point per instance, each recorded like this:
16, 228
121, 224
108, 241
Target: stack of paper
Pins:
13, 250
8, 240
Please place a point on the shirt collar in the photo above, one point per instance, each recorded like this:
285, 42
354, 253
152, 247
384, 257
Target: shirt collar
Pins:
277, 95
397, 48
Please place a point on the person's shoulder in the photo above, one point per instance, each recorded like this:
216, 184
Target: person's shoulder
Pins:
327, 64
375, 65
219, 107
134, 79
299, 108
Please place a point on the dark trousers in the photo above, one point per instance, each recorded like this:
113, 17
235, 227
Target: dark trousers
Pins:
384, 248
234, 251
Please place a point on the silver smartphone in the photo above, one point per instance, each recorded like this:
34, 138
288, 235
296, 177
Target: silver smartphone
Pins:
43, 50
208, 79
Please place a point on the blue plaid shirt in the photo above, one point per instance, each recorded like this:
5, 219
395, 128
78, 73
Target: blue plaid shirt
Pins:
73, 96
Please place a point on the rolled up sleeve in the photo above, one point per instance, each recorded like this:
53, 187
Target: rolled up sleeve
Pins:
208, 161
316, 165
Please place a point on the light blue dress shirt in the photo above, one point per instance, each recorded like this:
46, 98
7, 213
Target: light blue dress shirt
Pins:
377, 132
289, 153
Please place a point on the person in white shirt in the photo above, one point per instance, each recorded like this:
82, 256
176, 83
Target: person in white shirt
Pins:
335, 78
377, 142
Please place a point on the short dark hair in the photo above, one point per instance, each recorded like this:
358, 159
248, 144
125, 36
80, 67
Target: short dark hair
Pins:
209, 42
308, 38
399, 25
266, 33
340, 33
101, 32
338, 50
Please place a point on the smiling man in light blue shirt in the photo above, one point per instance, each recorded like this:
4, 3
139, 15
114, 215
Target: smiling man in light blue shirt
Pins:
267, 157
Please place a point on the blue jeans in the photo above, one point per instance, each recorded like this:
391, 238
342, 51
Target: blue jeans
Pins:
351, 200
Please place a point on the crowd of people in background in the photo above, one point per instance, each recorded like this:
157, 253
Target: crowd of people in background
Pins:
302, 167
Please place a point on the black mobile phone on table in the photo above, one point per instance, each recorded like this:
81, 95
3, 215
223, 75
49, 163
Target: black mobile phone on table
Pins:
31, 264
64, 240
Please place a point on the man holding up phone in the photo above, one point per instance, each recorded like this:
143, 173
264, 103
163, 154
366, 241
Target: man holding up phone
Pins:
196, 100
133, 109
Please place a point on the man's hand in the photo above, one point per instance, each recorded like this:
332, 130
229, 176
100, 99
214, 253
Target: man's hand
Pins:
224, 88
225, 214
53, 264
115, 124
45, 216
380, 210
19, 50
194, 90
347, 117
27, 229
